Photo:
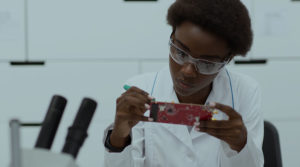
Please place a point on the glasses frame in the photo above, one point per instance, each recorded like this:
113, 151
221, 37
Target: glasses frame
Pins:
193, 60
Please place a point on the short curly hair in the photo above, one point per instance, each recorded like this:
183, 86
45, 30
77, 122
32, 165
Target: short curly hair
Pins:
227, 19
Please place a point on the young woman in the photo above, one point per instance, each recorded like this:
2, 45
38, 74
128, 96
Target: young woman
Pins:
206, 35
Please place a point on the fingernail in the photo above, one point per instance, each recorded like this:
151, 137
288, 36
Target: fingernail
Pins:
212, 104
147, 106
150, 119
150, 97
215, 112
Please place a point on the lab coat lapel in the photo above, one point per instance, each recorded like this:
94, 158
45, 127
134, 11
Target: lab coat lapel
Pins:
165, 92
179, 131
220, 93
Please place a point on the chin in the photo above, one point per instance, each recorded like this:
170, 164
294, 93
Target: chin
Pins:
184, 92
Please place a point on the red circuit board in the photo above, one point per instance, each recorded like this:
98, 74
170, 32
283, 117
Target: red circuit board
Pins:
179, 113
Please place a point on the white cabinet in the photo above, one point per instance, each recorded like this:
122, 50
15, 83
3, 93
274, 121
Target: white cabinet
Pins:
280, 82
153, 66
26, 93
280, 87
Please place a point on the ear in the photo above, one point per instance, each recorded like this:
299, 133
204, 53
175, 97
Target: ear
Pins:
231, 56
173, 32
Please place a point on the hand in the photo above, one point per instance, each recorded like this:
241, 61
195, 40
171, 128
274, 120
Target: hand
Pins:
232, 131
130, 109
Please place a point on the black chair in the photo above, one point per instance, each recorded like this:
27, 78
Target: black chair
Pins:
271, 146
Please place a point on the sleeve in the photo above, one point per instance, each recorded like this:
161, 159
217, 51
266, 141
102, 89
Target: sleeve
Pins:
251, 155
133, 155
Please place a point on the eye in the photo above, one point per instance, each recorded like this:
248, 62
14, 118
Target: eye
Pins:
204, 62
208, 63
180, 53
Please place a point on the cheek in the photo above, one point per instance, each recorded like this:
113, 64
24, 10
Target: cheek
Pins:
204, 80
201, 81
174, 67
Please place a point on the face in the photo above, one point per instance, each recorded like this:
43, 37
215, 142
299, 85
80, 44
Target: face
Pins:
200, 44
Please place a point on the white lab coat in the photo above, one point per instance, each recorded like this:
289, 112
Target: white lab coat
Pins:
167, 145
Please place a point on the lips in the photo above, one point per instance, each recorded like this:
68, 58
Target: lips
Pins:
184, 84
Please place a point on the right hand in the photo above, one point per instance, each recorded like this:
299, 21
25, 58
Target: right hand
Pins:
131, 107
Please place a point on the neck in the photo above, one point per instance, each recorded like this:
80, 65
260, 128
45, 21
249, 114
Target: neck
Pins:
197, 98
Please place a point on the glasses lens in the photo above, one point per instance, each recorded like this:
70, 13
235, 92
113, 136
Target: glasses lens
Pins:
208, 68
177, 55
203, 66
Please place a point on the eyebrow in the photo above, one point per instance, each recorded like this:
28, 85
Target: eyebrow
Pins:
183, 45
202, 56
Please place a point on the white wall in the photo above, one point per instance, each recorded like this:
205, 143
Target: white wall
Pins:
91, 47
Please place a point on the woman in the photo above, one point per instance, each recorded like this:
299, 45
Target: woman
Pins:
206, 35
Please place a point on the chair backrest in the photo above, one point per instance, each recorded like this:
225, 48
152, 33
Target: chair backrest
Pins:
271, 146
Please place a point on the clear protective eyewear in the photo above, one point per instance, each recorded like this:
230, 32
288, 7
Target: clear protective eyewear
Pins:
202, 66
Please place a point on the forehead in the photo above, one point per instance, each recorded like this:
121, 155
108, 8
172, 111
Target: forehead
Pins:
200, 42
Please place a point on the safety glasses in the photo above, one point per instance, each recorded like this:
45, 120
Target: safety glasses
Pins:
202, 66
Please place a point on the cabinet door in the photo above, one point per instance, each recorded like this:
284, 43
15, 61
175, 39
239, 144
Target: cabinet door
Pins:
93, 29
277, 32
26, 91
12, 28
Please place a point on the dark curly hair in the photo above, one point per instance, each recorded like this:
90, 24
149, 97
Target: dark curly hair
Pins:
227, 19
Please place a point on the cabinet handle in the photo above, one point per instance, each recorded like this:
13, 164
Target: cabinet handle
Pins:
27, 63
252, 61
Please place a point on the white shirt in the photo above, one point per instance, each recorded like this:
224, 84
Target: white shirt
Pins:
168, 145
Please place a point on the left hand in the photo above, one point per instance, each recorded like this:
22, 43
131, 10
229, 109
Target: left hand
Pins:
232, 131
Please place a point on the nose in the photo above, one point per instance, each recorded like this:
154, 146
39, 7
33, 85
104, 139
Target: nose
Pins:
189, 70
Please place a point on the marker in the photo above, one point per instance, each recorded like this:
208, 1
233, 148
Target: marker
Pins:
126, 87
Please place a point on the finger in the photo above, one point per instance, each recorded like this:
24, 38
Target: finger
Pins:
132, 104
222, 124
219, 133
134, 90
134, 117
138, 111
138, 90
142, 110
142, 97
226, 109
132, 101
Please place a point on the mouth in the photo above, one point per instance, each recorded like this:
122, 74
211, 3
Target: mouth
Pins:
183, 84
